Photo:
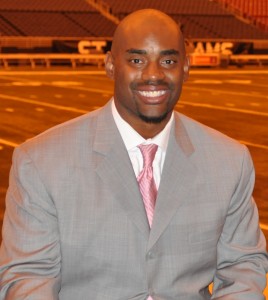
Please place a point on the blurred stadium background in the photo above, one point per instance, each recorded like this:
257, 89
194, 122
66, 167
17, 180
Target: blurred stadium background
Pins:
217, 31
54, 35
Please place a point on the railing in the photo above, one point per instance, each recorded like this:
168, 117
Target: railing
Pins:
104, 9
217, 59
246, 58
48, 59
213, 59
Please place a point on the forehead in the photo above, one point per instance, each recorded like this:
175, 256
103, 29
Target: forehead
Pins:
149, 36
151, 43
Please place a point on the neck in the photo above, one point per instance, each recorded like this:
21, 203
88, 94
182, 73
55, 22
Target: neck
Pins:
149, 130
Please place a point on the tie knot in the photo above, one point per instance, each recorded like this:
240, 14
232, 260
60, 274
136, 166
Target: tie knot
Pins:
148, 152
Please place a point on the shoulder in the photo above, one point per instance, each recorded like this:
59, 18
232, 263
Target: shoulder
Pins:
213, 147
62, 143
65, 134
203, 135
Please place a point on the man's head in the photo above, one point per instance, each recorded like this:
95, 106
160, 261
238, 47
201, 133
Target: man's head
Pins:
148, 65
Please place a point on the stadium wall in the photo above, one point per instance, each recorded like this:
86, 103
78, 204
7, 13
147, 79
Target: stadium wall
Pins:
103, 44
203, 52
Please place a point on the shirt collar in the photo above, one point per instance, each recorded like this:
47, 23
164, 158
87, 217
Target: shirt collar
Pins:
131, 137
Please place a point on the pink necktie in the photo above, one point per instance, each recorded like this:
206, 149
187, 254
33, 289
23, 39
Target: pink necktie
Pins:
146, 180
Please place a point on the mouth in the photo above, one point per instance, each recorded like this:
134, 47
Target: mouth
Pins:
153, 97
152, 94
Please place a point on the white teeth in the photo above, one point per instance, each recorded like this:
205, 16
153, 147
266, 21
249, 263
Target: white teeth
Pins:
152, 93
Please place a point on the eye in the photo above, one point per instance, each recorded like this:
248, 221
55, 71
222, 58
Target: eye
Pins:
168, 62
136, 61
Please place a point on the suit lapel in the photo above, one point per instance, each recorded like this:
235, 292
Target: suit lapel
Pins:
177, 177
116, 171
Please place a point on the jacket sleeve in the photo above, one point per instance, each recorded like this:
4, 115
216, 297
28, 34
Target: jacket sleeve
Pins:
30, 257
241, 253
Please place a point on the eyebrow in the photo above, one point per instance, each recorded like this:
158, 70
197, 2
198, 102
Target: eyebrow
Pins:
163, 52
169, 52
136, 51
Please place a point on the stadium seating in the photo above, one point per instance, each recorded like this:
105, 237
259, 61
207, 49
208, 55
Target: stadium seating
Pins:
61, 18
48, 5
95, 22
200, 19
189, 7
66, 18
7, 29
46, 23
253, 10
222, 27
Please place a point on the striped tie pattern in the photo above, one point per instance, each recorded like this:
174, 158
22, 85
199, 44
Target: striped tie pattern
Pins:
146, 179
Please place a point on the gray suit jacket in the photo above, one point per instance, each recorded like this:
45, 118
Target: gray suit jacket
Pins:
75, 226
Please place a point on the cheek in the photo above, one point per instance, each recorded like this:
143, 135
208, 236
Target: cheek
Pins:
175, 75
126, 81
122, 79
177, 82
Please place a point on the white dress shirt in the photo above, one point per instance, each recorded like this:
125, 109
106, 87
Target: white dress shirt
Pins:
132, 139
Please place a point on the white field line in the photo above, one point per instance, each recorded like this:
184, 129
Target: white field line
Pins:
110, 92
102, 72
244, 111
59, 107
254, 145
62, 73
44, 83
80, 88
225, 92
8, 143
264, 226
222, 72
73, 109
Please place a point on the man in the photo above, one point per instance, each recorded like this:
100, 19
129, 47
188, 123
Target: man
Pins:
81, 222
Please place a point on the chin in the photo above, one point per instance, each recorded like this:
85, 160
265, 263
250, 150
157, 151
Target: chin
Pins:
153, 119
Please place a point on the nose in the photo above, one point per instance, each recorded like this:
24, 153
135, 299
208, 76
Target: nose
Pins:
153, 72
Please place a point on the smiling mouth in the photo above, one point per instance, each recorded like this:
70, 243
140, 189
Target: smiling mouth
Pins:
152, 94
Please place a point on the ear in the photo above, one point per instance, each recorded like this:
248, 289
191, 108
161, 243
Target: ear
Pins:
186, 68
109, 65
